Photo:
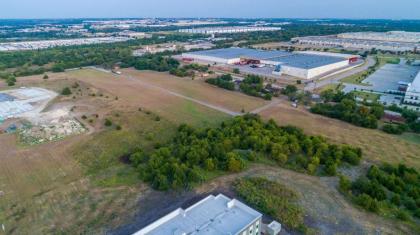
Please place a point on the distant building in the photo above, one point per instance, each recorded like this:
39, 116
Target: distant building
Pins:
173, 47
392, 36
356, 43
213, 215
132, 34
37, 45
221, 30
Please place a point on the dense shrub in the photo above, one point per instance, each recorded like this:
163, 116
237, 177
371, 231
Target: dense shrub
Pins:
396, 186
233, 144
273, 199
156, 63
344, 107
396, 129
224, 81
66, 91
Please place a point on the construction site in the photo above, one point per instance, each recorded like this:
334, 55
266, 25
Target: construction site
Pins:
22, 111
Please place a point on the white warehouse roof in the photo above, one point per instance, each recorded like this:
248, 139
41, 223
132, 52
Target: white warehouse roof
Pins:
299, 60
213, 215
237, 52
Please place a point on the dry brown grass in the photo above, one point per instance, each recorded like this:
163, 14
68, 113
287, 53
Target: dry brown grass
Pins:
200, 90
377, 146
44, 188
133, 94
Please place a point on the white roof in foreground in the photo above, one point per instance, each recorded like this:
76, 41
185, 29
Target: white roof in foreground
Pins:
415, 85
211, 216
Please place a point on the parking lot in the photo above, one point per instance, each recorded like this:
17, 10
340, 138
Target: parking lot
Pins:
387, 78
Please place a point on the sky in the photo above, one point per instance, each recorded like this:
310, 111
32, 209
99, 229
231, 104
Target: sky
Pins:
382, 9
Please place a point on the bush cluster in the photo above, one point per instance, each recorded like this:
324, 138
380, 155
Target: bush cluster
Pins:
156, 63
224, 81
273, 199
388, 186
344, 107
229, 147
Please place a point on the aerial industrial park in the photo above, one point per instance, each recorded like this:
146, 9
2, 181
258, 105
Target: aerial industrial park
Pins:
176, 126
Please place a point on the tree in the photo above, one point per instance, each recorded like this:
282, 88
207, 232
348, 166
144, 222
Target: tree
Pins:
209, 164
108, 122
66, 91
234, 164
236, 71
57, 68
344, 184
290, 89
45, 76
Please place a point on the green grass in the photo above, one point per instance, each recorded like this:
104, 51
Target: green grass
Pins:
356, 78
335, 87
139, 131
117, 176
411, 137
367, 95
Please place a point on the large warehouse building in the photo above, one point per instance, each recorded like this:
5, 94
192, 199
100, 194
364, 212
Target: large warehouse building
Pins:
306, 65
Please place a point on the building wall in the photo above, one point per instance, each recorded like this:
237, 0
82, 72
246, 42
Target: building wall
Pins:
253, 229
295, 72
325, 69
412, 98
211, 58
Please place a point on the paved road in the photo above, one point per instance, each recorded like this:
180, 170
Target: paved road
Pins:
336, 78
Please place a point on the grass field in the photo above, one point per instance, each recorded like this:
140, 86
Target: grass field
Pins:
376, 145
198, 89
356, 79
132, 94
80, 185
335, 87
367, 95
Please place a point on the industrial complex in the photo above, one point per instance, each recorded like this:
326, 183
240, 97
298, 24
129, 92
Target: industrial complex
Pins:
390, 41
212, 216
391, 36
304, 65
36, 45
221, 30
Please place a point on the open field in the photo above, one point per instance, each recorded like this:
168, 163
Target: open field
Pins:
200, 90
377, 146
80, 185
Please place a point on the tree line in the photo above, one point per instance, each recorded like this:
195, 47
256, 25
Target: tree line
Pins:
252, 85
338, 105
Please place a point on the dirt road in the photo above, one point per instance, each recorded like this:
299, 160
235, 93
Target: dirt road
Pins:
218, 108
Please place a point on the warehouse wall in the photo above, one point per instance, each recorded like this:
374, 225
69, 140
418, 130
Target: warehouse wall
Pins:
325, 69
210, 58
295, 72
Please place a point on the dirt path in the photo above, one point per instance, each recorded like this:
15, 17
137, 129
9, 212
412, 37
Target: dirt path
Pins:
273, 103
218, 108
